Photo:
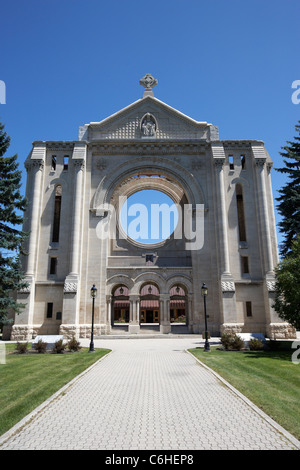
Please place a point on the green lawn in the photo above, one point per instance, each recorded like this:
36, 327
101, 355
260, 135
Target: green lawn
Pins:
268, 378
27, 380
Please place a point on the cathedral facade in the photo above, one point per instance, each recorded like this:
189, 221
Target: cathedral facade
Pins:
225, 236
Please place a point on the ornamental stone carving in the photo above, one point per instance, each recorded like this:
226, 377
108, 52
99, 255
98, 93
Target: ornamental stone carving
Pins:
271, 286
148, 126
260, 162
219, 162
148, 82
70, 287
227, 286
25, 290
79, 164
101, 164
37, 164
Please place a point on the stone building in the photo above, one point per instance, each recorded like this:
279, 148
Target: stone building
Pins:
75, 191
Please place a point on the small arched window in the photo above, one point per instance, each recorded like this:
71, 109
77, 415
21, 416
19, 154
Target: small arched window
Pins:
56, 216
241, 213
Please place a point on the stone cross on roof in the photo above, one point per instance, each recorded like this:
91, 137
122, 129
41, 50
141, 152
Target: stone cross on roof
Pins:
148, 82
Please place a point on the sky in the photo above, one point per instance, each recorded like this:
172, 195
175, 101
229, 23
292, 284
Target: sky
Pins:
231, 63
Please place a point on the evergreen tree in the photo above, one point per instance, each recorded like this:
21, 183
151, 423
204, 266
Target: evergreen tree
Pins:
289, 199
12, 206
287, 299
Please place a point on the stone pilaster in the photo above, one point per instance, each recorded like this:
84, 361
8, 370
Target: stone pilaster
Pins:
72, 284
227, 285
274, 326
265, 236
23, 328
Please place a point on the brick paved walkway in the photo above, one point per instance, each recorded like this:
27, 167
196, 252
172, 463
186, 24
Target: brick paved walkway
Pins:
148, 394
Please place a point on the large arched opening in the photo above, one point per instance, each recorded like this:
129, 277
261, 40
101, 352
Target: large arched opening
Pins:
120, 306
178, 312
149, 304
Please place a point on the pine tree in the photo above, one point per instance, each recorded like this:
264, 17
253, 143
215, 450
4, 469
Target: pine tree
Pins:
289, 199
12, 206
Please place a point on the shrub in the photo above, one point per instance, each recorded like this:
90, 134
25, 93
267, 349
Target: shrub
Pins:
59, 347
255, 344
21, 348
73, 345
232, 342
41, 346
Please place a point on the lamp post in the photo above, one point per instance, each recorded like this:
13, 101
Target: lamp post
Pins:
93, 295
204, 294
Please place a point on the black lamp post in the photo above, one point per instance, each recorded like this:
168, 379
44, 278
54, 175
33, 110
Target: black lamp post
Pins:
204, 294
93, 295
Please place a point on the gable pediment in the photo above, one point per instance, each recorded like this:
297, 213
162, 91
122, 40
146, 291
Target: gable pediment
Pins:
147, 118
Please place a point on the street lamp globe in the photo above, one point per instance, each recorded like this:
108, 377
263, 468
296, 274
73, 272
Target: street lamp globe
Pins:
204, 290
93, 292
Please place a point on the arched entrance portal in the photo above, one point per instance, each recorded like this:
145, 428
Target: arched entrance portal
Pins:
121, 305
149, 304
178, 311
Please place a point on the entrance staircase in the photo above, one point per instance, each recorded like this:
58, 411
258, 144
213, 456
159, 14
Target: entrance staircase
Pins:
147, 330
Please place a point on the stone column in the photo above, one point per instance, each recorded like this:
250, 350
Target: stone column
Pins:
138, 310
164, 313
108, 312
134, 326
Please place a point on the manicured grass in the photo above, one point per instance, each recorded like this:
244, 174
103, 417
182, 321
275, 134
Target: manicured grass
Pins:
268, 378
27, 380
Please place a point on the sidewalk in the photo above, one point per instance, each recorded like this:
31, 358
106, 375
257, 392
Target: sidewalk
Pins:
148, 394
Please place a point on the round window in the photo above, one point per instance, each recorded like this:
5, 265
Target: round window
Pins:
149, 216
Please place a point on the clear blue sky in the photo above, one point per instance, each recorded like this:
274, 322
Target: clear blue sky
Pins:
228, 62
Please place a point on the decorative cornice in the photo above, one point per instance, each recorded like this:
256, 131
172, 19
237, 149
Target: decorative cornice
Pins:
60, 145
148, 147
237, 144
165, 146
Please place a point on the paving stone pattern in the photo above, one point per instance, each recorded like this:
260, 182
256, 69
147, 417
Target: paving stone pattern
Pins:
147, 394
